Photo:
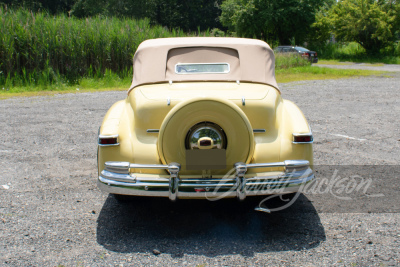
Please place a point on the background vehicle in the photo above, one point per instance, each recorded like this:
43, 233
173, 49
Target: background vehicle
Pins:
304, 52
204, 118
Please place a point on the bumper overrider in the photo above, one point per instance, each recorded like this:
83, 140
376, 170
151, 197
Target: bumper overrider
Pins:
116, 178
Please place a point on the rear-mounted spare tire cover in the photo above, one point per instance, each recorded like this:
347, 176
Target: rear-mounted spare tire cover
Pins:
177, 123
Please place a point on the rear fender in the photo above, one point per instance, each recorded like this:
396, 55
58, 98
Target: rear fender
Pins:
114, 123
294, 121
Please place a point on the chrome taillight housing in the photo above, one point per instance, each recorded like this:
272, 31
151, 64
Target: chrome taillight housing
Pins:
303, 138
108, 140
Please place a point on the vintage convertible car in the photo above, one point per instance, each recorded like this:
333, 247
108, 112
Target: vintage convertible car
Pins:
204, 118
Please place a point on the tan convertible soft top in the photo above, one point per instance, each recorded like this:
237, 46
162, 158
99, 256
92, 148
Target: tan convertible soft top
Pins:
250, 60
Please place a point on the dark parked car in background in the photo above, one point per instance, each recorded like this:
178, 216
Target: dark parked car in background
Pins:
304, 52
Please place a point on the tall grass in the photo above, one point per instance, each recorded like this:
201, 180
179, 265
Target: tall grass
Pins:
356, 53
290, 60
40, 49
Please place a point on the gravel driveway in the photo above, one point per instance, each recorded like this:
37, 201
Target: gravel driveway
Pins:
52, 214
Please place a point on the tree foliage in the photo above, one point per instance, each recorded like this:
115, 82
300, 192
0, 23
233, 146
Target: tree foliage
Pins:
283, 20
321, 29
373, 24
52, 6
188, 15
109, 8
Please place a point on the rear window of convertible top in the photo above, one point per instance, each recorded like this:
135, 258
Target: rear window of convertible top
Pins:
200, 68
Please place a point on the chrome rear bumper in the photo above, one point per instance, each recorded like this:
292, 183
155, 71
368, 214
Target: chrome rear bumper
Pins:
117, 179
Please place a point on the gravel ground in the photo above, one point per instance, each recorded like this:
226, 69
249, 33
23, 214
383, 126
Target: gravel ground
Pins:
52, 214
362, 66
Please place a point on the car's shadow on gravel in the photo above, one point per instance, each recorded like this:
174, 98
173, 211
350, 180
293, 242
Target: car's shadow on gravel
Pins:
207, 228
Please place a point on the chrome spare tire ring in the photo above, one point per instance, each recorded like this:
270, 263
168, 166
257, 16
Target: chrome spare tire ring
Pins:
206, 135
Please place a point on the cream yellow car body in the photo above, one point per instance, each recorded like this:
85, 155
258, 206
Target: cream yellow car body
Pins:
138, 123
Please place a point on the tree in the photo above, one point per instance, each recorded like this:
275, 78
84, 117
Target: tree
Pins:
118, 8
52, 6
188, 15
321, 29
373, 24
283, 20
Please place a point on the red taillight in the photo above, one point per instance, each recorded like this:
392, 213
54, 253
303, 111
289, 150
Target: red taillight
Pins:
105, 140
302, 138
306, 54
315, 54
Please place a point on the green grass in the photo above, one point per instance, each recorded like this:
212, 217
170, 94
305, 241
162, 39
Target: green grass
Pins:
289, 60
317, 73
41, 54
333, 62
111, 81
69, 90
353, 52
338, 62
37, 49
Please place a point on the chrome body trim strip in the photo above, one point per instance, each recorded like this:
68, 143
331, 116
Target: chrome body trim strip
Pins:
153, 130
116, 178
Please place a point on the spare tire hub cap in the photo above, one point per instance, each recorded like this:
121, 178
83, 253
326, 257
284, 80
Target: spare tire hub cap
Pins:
206, 135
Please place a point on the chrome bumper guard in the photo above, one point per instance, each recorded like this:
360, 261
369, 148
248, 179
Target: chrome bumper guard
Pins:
116, 178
